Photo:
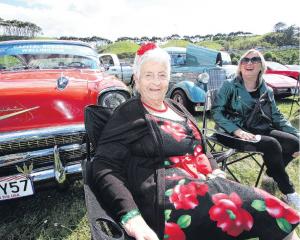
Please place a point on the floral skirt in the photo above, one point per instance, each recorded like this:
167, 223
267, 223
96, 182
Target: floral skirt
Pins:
222, 209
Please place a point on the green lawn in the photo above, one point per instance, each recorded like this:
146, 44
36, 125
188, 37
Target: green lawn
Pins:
54, 214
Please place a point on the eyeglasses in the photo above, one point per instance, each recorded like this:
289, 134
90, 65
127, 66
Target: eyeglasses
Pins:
160, 76
253, 60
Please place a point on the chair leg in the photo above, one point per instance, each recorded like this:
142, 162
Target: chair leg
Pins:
260, 173
232, 174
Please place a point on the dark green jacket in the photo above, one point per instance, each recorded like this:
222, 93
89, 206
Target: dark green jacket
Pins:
233, 105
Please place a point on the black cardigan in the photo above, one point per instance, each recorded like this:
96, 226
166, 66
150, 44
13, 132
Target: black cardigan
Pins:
128, 165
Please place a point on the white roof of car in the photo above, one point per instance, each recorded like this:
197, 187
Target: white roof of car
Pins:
175, 49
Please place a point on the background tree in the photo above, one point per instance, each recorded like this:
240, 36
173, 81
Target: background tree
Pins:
279, 27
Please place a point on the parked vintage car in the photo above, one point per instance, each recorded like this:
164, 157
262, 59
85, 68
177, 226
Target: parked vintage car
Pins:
112, 65
293, 67
44, 87
193, 72
282, 85
277, 68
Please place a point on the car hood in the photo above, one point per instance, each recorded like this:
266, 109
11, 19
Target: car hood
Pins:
32, 99
279, 81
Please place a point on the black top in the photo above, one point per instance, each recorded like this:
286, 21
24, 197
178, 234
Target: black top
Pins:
128, 167
255, 94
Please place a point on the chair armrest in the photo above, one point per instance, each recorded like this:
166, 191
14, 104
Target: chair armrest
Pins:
215, 132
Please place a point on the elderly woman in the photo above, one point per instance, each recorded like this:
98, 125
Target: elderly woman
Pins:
151, 167
233, 111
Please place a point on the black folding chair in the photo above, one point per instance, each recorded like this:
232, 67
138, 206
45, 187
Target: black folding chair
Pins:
223, 154
102, 225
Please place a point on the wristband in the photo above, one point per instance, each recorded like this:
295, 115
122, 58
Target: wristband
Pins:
125, 218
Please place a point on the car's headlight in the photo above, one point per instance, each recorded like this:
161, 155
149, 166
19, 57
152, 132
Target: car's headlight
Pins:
112, 99
203, 77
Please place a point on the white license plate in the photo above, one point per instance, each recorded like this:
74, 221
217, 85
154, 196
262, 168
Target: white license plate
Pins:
15, 187
199, 108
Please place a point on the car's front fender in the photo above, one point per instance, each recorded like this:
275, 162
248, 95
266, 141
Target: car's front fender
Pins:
194, 92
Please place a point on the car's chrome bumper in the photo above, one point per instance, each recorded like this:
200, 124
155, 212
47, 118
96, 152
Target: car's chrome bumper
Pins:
49, 174
43, 154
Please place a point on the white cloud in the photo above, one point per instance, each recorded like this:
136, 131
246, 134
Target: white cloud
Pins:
116, 18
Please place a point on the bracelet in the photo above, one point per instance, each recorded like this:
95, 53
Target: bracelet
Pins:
125, 218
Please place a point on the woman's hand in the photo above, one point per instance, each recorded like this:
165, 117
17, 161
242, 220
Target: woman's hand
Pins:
218, 173
137, 227
244, 135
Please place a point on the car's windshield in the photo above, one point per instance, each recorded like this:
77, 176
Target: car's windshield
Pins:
46, 57
276, 66
226, 59
178, 59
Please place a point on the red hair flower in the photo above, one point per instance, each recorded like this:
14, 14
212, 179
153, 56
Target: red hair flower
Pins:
146, 47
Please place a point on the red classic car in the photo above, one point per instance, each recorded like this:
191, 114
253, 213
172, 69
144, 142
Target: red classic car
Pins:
277, 68
44, 87
282, 86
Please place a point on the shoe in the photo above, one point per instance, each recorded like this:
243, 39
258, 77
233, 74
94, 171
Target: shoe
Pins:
293, 199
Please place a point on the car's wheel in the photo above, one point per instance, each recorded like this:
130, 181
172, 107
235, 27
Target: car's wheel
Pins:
112, 99
180, 97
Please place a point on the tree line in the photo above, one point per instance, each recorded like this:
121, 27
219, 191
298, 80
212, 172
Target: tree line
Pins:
19, 28
282, 35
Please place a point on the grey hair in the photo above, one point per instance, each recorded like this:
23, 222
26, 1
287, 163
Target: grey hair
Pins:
156, 55
263, 64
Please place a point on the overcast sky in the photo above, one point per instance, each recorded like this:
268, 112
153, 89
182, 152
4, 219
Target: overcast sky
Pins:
118, 18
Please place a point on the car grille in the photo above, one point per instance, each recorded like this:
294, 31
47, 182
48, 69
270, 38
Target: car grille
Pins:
45, 160
216, 78
13, 147
37, 148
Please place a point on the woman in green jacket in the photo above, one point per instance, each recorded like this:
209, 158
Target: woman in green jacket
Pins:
236, 111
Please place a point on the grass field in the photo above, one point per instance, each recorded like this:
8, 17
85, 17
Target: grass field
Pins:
54, 214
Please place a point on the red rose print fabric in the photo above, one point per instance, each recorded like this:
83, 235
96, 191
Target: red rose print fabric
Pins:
173, 232
284, 214
195, 130
176, 130
193, 164
194, 203
185, 196
229, 214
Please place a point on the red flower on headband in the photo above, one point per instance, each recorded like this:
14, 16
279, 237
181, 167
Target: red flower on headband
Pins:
146, 47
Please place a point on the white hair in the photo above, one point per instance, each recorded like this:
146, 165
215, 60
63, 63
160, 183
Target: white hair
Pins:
157, 55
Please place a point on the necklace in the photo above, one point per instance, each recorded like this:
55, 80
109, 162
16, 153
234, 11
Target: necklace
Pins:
157, 110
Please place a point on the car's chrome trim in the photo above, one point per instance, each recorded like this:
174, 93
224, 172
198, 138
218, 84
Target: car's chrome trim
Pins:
59, 169
49, 174
12, 159
40, 133
17, 113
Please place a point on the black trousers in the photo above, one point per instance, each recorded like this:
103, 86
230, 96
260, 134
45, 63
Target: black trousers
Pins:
277, 148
